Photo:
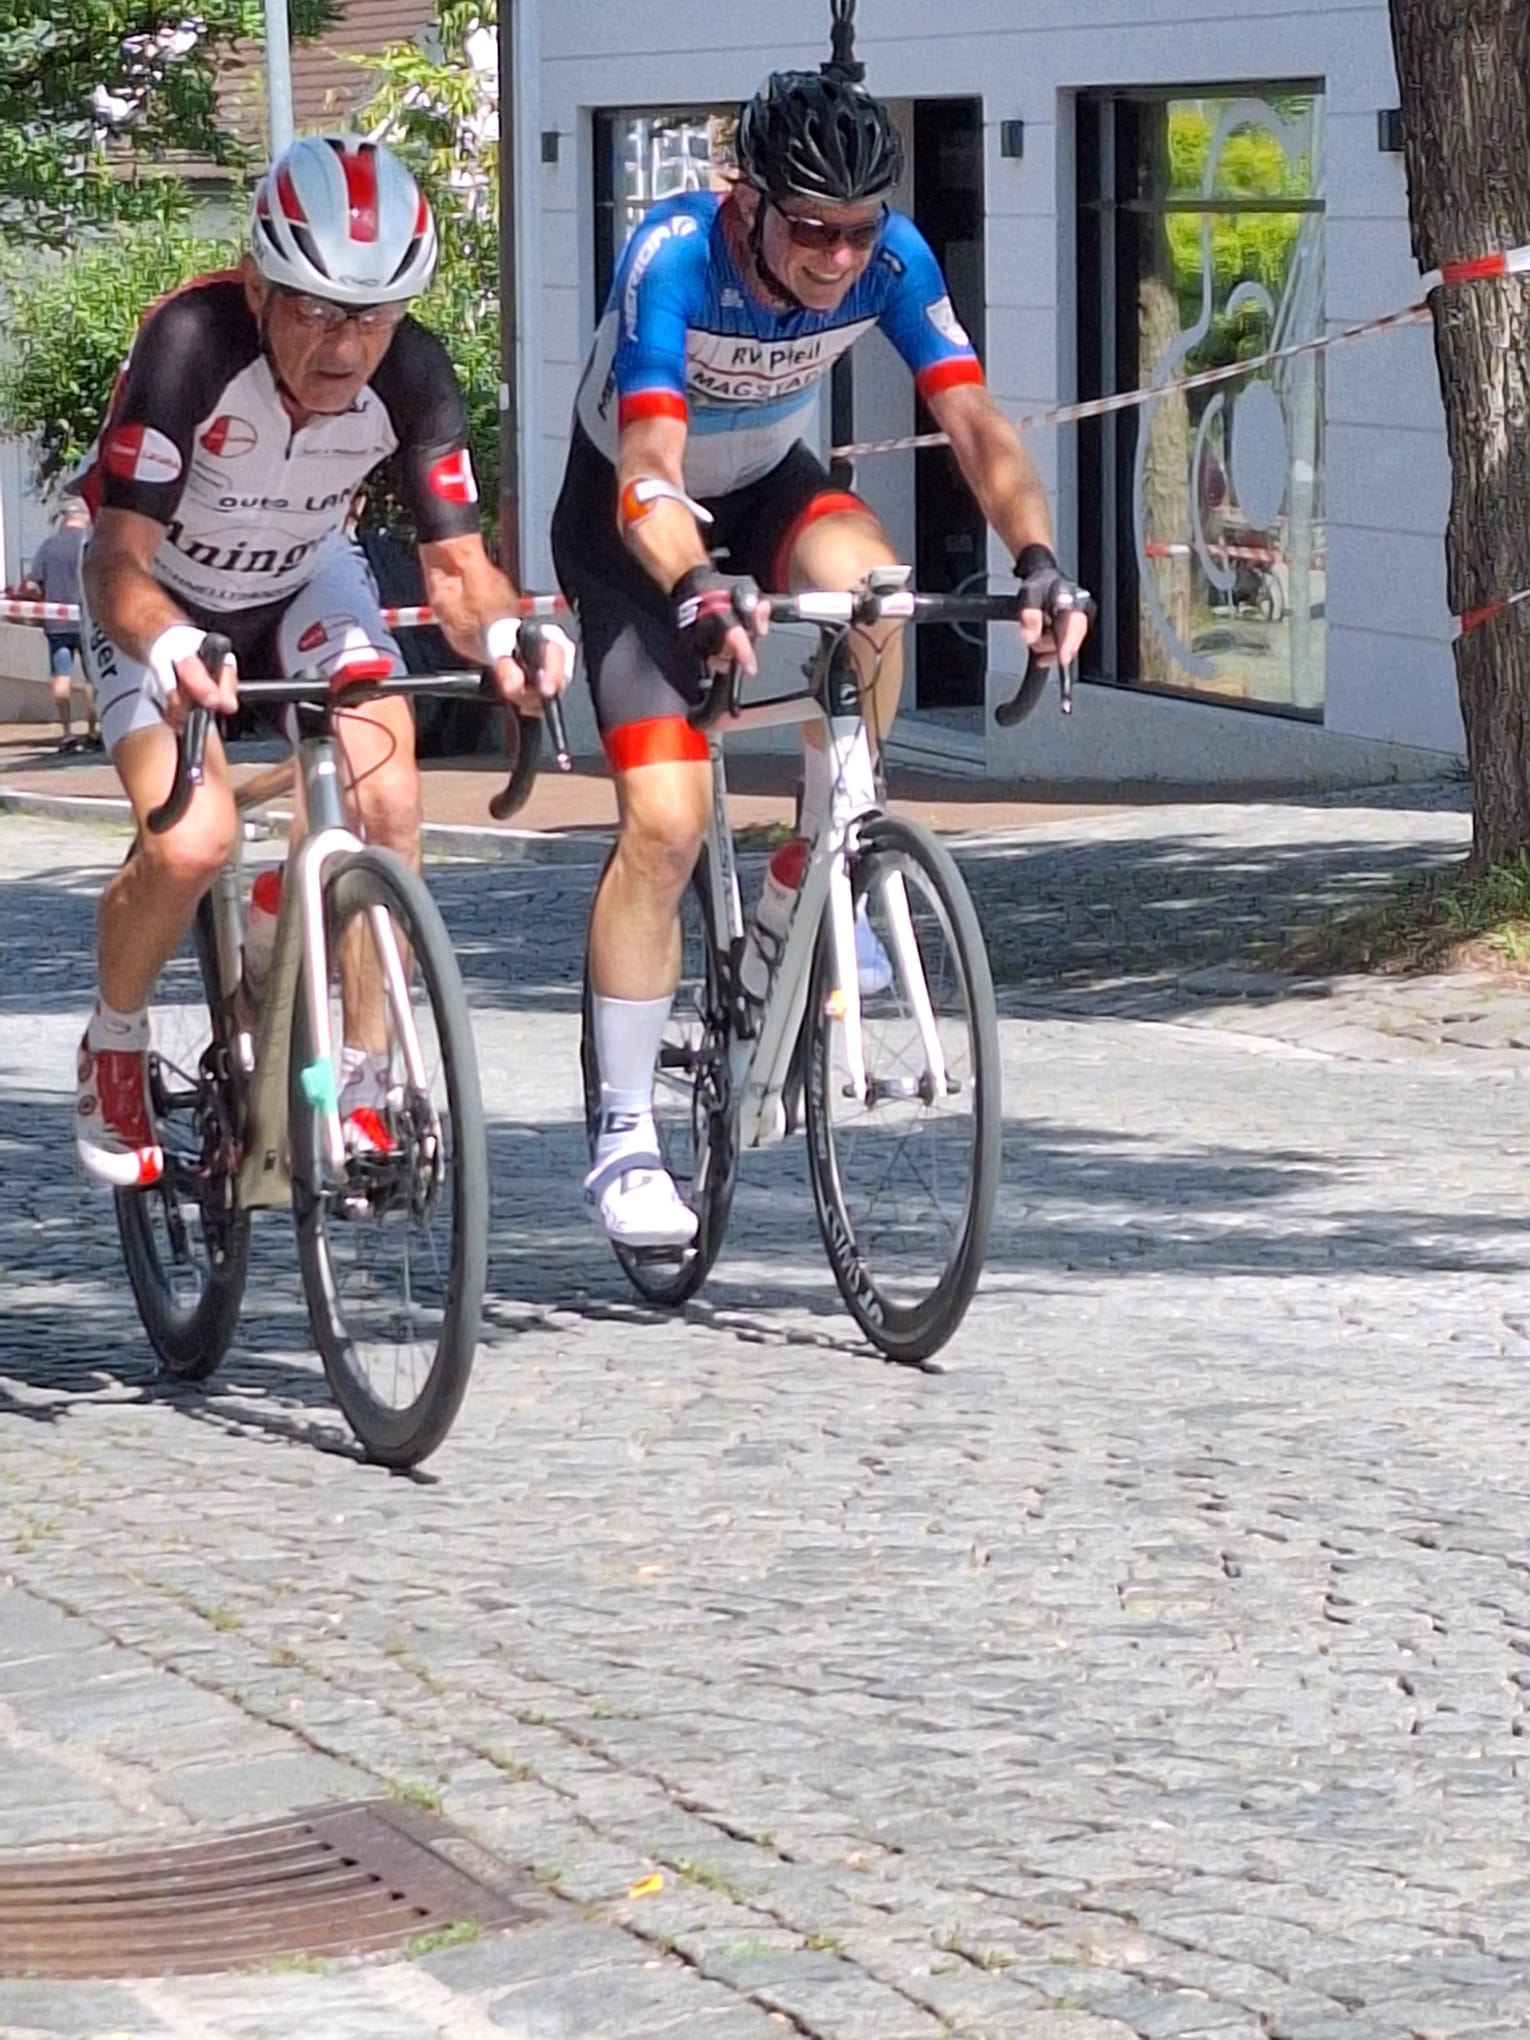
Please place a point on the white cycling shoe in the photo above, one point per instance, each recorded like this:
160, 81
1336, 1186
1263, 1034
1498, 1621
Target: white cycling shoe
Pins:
873, 965
635, 1203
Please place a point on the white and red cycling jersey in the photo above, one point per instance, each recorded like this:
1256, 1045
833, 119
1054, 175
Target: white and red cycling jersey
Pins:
198, 438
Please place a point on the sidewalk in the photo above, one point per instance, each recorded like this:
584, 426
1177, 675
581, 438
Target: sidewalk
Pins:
573, 814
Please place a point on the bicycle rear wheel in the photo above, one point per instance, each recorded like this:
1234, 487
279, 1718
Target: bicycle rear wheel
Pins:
690, 1107
393, 1246
904, 1177
185, 1239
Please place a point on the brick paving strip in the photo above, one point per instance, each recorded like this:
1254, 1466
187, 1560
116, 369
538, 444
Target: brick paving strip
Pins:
1158, 1670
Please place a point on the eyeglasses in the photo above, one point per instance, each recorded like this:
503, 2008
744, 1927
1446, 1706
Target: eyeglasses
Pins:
321, 315
822, 237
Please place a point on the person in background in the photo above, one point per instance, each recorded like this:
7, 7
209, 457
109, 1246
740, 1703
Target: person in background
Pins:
55, 577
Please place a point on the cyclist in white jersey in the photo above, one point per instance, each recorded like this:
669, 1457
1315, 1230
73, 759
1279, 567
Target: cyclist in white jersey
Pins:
252, 408
724, 315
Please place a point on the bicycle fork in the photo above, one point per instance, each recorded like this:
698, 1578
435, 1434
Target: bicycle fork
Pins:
908, 972
301, 953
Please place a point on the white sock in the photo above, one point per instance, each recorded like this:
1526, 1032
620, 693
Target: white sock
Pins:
627, 1037
111, 1029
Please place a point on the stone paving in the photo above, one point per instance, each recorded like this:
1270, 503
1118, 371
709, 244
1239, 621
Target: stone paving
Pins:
1156, 1670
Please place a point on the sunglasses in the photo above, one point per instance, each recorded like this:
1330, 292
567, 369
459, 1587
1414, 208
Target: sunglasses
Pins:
319, 315
822, 237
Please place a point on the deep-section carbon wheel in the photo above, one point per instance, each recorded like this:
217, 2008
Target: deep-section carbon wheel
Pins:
905, 1164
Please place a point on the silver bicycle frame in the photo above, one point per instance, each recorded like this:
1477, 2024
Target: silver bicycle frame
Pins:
299, 955
760, 1066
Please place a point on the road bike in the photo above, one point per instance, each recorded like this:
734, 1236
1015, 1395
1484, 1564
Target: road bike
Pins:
898, 1088
245, 1079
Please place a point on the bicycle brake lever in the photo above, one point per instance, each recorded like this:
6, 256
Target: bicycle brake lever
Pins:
557, 729
190, 747
531, 651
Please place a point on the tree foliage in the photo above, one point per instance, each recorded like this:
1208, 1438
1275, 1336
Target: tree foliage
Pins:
72, 323
69, 330
95, 93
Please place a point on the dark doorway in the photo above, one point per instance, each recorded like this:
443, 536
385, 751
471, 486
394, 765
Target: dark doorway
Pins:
950, 535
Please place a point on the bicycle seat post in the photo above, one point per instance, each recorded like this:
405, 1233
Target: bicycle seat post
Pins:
320, 761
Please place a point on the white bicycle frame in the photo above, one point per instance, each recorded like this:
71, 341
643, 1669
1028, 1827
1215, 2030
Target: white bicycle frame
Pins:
300, 953
759, 1067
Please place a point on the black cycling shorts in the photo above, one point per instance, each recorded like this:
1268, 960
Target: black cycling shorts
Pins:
642, 677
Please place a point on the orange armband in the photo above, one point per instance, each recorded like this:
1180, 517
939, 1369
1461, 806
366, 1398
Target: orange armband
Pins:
638, 498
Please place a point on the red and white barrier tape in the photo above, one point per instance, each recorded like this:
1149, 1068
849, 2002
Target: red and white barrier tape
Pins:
1130, 400
1485, 612
39, 612
1476, 268
537, 607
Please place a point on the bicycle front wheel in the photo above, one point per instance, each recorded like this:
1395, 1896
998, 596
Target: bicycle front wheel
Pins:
185, 1239
393, 1244
904, 1115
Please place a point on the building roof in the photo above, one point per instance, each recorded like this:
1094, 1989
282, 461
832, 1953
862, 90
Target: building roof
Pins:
327, 88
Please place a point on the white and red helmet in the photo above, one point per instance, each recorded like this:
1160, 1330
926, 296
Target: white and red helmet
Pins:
339, 217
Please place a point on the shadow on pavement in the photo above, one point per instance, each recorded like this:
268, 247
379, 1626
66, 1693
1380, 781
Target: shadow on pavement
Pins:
1073, 1203
1090, 911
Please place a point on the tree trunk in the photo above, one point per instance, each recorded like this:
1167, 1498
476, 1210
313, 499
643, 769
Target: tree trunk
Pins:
1464, 71
1166, 481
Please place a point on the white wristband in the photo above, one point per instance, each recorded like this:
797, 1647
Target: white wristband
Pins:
552, 636
501, 637
180, 641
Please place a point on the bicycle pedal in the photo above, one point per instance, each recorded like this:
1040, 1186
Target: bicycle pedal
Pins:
663, 1257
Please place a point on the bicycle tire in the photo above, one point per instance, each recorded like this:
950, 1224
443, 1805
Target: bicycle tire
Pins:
908, 1332
669, 1280
191, 1340
399, 1436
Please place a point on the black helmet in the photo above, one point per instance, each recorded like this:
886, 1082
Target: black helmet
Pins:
811, 134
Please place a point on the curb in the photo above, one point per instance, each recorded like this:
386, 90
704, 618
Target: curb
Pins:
446, 839
66, 807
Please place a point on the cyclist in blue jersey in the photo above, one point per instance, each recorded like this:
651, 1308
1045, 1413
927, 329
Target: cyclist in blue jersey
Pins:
726, 311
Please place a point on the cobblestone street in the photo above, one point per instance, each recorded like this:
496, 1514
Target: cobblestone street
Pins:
1157, 1669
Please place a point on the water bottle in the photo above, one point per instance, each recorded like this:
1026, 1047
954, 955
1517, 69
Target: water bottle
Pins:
260, 929
773, 912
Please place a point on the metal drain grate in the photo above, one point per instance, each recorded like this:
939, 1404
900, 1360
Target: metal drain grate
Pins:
355, 1879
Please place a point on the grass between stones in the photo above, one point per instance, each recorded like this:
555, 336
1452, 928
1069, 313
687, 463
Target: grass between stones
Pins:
1433, 924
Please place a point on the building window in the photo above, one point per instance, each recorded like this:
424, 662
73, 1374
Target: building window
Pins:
1201, 515
645, 154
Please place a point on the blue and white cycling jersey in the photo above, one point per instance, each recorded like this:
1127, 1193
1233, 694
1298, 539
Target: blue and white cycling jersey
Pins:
682, 337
